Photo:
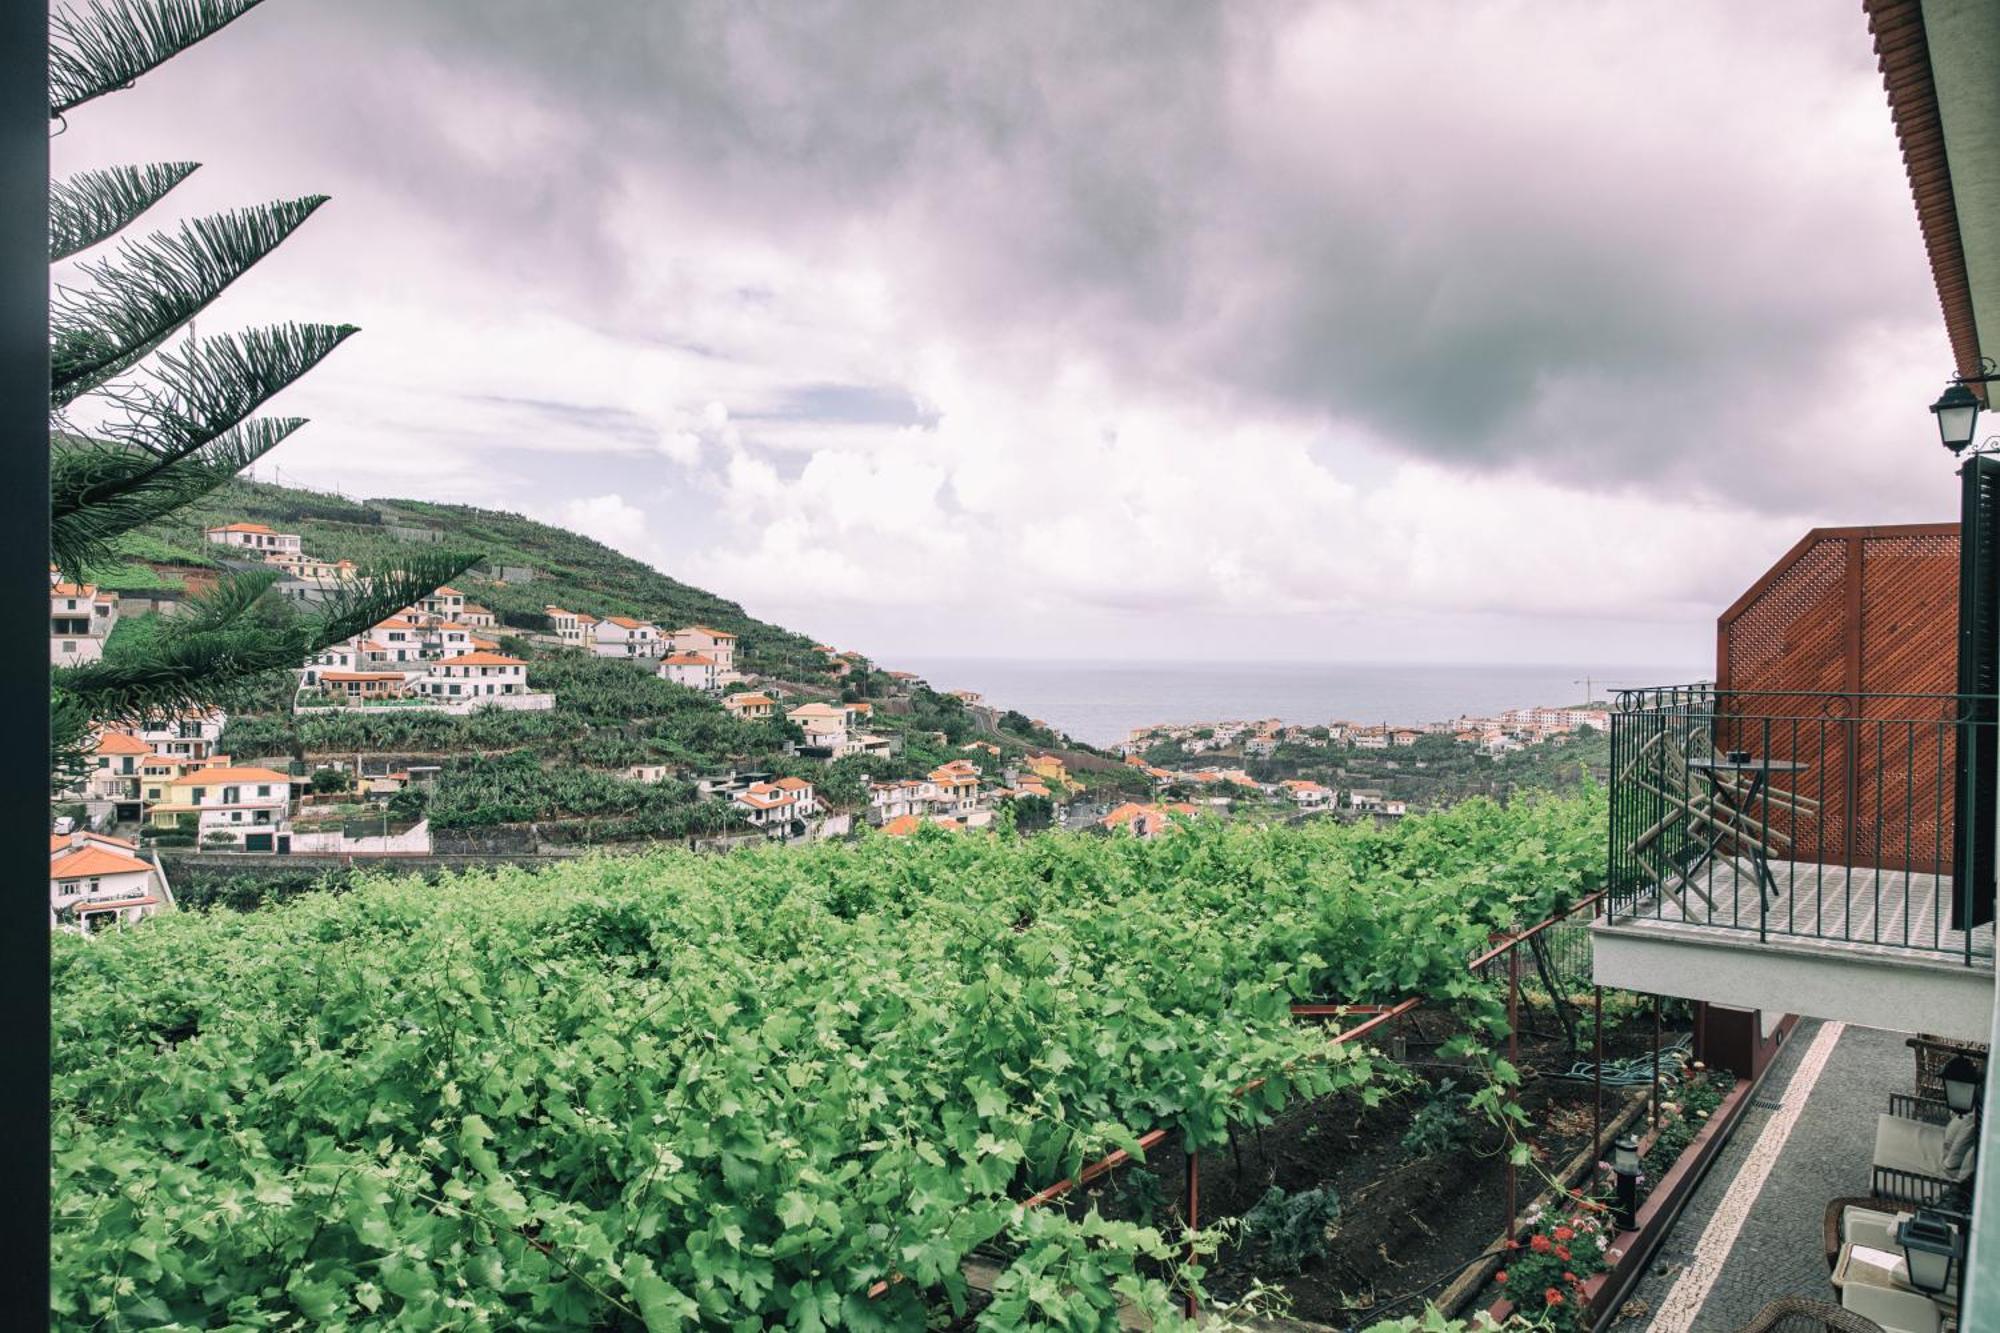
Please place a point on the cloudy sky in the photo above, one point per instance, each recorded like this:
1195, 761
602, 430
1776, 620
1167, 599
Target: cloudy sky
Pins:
1460, 331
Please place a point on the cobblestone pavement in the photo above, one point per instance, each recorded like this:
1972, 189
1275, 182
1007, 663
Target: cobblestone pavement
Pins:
1778, 1251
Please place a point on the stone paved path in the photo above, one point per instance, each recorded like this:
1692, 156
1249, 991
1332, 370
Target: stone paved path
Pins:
1778, 1252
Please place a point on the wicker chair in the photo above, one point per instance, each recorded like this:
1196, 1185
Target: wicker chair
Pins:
1835, 1209
1801, 1314
1933, 1054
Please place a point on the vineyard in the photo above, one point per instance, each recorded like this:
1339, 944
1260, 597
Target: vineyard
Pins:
794, 1088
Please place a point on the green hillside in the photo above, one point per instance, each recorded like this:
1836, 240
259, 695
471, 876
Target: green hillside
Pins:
565, 770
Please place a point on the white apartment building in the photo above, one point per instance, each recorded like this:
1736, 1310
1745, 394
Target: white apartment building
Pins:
255, 539
115, 766
81, 618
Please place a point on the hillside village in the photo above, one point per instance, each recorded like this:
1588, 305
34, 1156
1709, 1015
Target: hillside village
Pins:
542, 705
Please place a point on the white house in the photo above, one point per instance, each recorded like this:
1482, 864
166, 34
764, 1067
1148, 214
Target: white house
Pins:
893, 800
249, 807
825, 726
255, 538
772, 805
694, 670
957, 785
115, 765
717, 645
479, 617
470, 675
446, 603
80, 619
195, 734
622, 636
96, 881
1307, 795
565, 625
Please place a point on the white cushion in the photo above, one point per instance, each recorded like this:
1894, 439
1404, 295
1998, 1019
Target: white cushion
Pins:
1909, 1145
1870, 1226
1895, 1311
1957, 1149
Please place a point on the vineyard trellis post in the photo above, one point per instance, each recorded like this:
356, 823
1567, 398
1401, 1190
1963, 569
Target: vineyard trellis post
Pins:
1192, 1303
1513, 1059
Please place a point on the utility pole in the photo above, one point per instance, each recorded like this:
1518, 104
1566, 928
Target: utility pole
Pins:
1589, 692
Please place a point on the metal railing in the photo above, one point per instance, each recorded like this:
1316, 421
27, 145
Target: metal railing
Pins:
1803, 814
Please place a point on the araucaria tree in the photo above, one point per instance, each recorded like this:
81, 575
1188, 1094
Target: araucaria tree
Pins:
140, 426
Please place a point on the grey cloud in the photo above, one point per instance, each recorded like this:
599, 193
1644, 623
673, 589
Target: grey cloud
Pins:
846, 404
1594, 292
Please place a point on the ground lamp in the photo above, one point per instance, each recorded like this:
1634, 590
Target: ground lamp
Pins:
1930, 1248
1957, 412
1625, 1166
1960, 1077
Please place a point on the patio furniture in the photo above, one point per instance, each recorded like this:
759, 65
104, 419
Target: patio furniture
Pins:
1859, 1219
1801, 1314
1933, 1054
1921, 1156
1732, 812
1874, 1283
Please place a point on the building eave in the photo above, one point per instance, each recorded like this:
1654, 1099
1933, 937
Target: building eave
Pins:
1903, 54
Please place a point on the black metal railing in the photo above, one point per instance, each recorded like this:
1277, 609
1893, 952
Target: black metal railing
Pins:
1822, 815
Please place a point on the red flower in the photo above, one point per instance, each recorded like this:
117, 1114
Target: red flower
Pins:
1539, 1243
1513, 1244
1564, 1233
1572, 1279
1501, 1277
1552, 1296
1562, 1253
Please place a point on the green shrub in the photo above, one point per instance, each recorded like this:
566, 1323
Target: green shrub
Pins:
1288, 1231
1441, 1125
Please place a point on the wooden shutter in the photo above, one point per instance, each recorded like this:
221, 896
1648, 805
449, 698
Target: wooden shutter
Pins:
1979, 678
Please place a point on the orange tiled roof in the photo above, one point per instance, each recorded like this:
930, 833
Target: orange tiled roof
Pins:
703, 629
902, 826
481, 659
87, 861
240, 527
687, 659
119, 742
209, 777
61, 841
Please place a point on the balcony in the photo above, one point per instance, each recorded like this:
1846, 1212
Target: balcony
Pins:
1799, 853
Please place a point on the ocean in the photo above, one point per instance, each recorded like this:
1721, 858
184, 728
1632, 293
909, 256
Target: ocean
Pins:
1101, 702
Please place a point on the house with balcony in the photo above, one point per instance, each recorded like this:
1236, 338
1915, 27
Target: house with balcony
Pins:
624, 636
81, 618
957, 787
825, 728
244, 809
192, 734
1811, 835
1306, 794
114, 770
776, 806
694, 670
97, 881
480, 678
445, 603
717, 645
254, 539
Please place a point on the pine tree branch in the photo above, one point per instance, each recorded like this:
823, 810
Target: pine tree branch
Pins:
107, 47
150, 288
100, 490
208, 386
236, 631
94, 205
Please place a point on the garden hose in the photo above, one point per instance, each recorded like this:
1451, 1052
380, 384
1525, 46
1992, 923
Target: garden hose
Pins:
1633, 1072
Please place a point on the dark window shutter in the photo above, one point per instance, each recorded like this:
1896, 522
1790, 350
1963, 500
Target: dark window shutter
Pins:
1979, 680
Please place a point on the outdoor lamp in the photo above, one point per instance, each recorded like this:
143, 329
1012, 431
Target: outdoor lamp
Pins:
1957, 412
1625, 1166
1961, 1084
1930, 1247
